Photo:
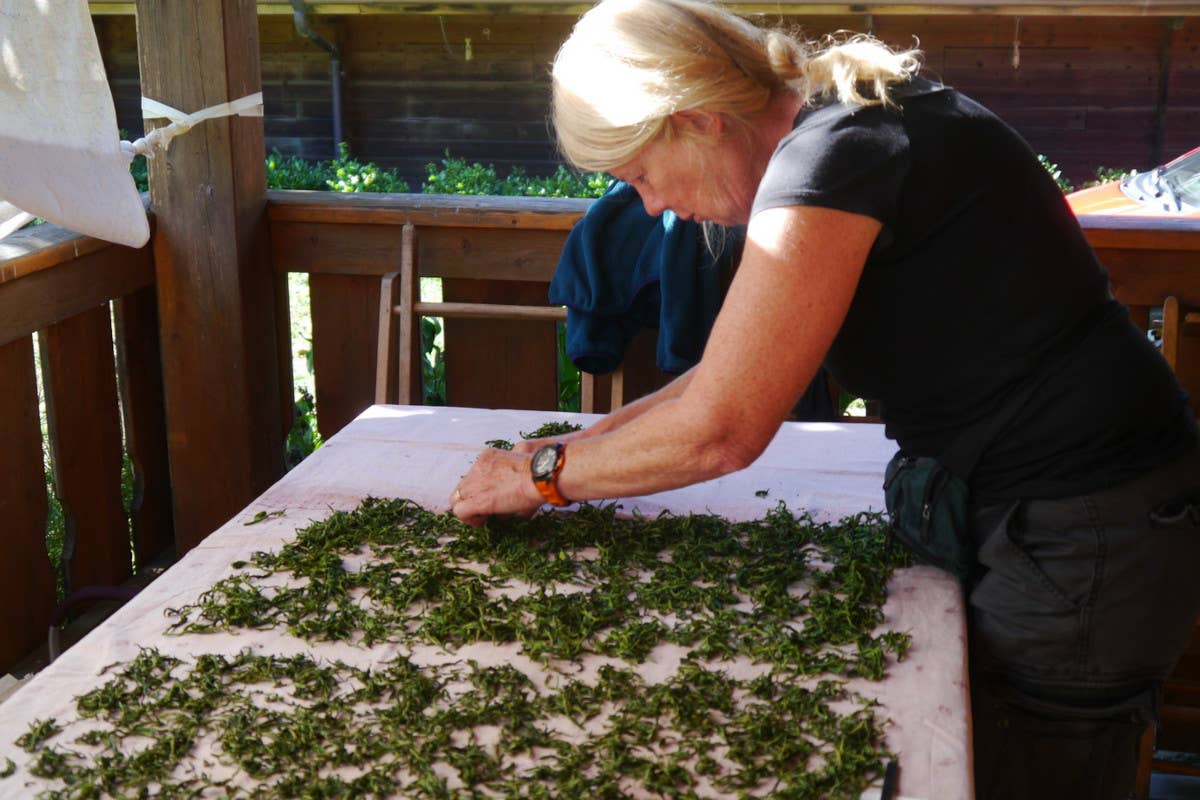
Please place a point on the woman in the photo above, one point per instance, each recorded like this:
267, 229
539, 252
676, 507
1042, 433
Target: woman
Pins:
910, 240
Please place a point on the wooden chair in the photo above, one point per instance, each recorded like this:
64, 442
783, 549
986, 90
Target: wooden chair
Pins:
1178, 726
398, 356
1178, 324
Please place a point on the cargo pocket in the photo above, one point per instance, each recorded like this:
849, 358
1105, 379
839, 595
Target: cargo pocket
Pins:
1028, 610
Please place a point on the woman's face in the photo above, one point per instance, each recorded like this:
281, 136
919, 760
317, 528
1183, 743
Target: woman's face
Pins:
704, 178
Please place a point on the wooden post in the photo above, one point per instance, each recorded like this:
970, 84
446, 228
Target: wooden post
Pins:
218, 300
26, 582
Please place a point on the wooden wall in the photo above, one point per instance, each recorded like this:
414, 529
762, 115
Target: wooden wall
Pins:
1085, 91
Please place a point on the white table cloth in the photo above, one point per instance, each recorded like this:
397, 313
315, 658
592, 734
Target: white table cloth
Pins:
833, 470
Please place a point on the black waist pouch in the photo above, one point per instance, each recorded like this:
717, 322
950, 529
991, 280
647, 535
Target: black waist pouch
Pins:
928, 507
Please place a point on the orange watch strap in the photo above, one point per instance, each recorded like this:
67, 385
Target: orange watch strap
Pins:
549, 486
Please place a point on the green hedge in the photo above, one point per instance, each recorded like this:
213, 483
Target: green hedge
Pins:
450, 176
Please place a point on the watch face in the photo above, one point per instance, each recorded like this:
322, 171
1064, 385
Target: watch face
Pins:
543, 462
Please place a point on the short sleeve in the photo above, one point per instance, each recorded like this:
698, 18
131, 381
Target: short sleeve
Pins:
850, 158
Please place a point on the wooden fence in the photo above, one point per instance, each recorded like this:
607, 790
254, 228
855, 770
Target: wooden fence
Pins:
99, 406
74, 292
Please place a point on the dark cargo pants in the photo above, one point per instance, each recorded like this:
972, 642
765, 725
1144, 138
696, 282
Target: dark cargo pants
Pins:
1083, 606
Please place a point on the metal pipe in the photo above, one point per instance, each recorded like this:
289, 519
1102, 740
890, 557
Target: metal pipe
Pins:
335, 77
300, 17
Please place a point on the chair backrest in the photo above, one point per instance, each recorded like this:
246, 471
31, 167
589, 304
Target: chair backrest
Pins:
1181, 345
397, 368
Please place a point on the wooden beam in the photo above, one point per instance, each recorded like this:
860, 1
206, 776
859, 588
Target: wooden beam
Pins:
41, 247
489, 311
27, 595
574, 7
445, 210
1141, 233
217, 296
44, 296
352, 249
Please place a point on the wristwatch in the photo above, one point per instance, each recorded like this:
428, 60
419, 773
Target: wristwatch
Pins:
546, 464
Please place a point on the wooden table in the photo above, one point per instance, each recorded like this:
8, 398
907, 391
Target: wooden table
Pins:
834, 470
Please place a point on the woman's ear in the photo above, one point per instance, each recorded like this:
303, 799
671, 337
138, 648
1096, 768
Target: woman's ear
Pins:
695, 121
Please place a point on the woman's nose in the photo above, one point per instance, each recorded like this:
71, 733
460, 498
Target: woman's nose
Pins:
654, 206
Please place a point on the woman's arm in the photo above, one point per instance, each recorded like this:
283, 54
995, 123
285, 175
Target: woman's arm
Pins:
794, 285
615, 419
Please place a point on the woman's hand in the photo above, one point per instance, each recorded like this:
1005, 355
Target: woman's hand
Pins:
498, 482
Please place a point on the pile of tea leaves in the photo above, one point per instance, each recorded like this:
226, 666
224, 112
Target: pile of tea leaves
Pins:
545, 431
623, 635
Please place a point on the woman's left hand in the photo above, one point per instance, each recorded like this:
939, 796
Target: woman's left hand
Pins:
498, 482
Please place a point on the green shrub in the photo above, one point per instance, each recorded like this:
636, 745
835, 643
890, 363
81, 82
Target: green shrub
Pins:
433, 363
341, 174
456, 176
563, 183
353, 176
293, 172
1107, 174
141, 173
303, 438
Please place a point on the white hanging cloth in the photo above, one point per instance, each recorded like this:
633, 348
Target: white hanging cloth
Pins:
60, 152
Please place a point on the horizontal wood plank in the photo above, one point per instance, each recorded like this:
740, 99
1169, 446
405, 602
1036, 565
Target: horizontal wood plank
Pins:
76, 281
461, 211
489, 311
443, 252
371, 7
42, 247
1141, 233
1147, 277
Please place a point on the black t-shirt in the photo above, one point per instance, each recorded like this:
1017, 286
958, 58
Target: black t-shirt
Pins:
979, 277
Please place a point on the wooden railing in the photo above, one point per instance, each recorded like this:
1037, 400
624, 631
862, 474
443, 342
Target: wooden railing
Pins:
69, 290
1149, 260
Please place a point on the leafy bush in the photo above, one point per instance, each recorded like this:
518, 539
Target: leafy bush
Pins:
341, 174
293, 172
303, 438
141, 173
353, 176
433, 363
1107, 174
456, 176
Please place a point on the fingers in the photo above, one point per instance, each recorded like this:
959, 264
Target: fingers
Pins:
497, 483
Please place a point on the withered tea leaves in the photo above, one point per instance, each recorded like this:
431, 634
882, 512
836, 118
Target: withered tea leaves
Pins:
798, 601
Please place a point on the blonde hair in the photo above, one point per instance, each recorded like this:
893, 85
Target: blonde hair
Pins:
629, 64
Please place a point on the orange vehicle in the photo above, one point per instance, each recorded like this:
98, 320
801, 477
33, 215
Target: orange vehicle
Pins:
1172, 190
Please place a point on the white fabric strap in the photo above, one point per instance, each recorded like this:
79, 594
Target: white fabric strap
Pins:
160, 138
